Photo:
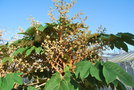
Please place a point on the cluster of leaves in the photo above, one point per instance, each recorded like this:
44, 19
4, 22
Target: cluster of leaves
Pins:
93, 76
119, 40
63, 55
8, 82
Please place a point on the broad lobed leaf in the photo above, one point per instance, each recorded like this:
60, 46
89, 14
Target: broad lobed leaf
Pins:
58, 82
113, 71
86, 68
82, 69
120, 40
7, 83
108, 71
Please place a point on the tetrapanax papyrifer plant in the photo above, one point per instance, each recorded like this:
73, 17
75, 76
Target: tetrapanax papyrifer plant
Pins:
64, 55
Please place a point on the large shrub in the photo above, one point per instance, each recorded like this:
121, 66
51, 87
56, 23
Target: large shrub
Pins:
63, 55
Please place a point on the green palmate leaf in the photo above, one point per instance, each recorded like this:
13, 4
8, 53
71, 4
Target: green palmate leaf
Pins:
123, 46
38, 50
58, 82
29, 51
112, 46
130, 41
113, 71
19, 51
127, 35
52, 83
42, 28
17, 78
128, 38
5, 59
95, 72
117, 45
30, 31
83, 69
119, 40
110, 76
8, 82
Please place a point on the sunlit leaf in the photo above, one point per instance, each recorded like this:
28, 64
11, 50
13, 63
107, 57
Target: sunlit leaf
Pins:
42, 28
29, 51
38, 50
58, 82
113, 71
5, 59
9, 80
83, 69
19, 51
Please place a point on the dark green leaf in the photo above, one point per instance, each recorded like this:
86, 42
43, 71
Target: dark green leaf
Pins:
124, 46
42, 28
111, 45
19, 51
8, 82
29, 51
119, 40
17, 78
58, 82
129, 41
30, 31
115, 70
109, 74
83, 69
95, 72
38, 50
117, 44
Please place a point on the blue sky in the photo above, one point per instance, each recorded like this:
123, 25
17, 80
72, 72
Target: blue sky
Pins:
114, 15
